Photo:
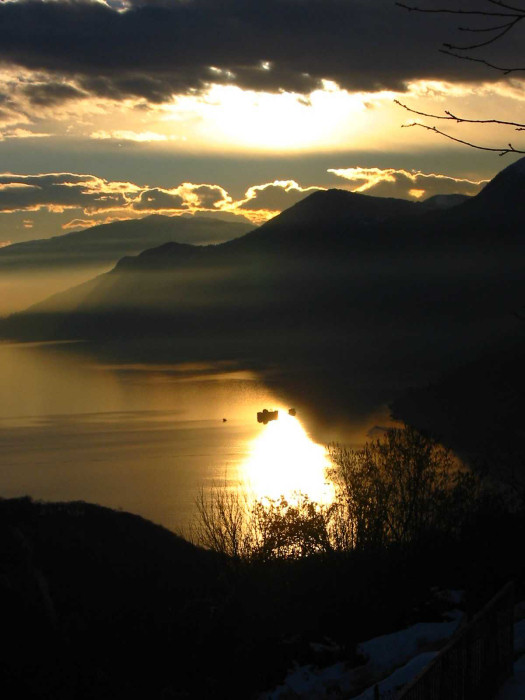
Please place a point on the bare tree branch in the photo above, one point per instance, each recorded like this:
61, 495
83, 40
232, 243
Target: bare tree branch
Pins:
499, 151
449, 116
513, 16
505, 28
453, 11
506, 5
503, 70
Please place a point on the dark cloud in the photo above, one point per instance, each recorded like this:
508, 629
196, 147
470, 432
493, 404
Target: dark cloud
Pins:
159, 49
209, 195
58, 191
158, 199
49, 94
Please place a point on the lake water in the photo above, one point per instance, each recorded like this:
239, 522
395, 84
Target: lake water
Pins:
147, 438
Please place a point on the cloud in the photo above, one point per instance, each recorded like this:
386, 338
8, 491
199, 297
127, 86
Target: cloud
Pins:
59, 191
75, 224
21, 134
186, 197
273, 197
76, 200
51, 93
389, 182
125, 135
158, 199
157, 49
205, 196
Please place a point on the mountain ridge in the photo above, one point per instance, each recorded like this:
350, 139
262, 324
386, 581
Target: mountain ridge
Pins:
333, 253
110, 241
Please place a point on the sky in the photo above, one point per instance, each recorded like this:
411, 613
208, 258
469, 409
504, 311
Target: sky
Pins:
115, 109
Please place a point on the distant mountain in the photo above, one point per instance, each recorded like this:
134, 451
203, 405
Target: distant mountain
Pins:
443, 201
380, 293
107, 243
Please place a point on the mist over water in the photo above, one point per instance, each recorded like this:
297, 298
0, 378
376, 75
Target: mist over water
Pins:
20, 289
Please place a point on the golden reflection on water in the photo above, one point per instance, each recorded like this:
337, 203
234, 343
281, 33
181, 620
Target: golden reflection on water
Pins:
284, 461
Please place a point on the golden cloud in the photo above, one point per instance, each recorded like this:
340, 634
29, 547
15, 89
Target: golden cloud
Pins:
404, 184
274, 196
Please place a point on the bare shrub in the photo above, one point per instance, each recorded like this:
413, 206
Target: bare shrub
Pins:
291, 530
392, 491
268, 529
398, 487
223, 523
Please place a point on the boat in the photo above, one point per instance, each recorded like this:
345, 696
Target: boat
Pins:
265, 416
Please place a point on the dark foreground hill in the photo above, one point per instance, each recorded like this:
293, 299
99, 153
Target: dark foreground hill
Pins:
94, 602
100, 604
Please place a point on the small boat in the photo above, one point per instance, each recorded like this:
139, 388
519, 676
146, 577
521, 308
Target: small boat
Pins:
265, 416
292, 412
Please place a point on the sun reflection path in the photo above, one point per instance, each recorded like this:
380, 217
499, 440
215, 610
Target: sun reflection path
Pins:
284, 461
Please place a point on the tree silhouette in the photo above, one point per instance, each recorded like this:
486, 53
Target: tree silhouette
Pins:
498, 21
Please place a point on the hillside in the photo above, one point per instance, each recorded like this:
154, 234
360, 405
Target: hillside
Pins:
476, 409
98, 603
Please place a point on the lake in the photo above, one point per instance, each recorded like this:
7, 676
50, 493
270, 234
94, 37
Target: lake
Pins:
146, 438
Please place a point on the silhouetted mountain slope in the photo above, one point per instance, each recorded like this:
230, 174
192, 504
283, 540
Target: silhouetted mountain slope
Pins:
326, 219
506, 190
497, 212
107, 243
477, 409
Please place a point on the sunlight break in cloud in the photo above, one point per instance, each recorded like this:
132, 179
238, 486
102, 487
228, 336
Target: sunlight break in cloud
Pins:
389, 182
128, 136
21, 134
139, 137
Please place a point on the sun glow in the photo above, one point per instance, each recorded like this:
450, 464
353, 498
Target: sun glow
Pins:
227, 116
284, 461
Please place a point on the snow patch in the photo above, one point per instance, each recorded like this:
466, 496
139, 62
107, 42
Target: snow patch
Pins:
399, 654
400, 677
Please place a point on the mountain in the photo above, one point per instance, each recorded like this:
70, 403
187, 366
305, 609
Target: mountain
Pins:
106, 243
32, 271
443, 201
369, 293
476, 409
506, 190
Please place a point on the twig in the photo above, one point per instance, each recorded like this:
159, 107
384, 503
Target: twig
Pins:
514, 15
450, 11
505, 71
506, 28
499, 151
449, 116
